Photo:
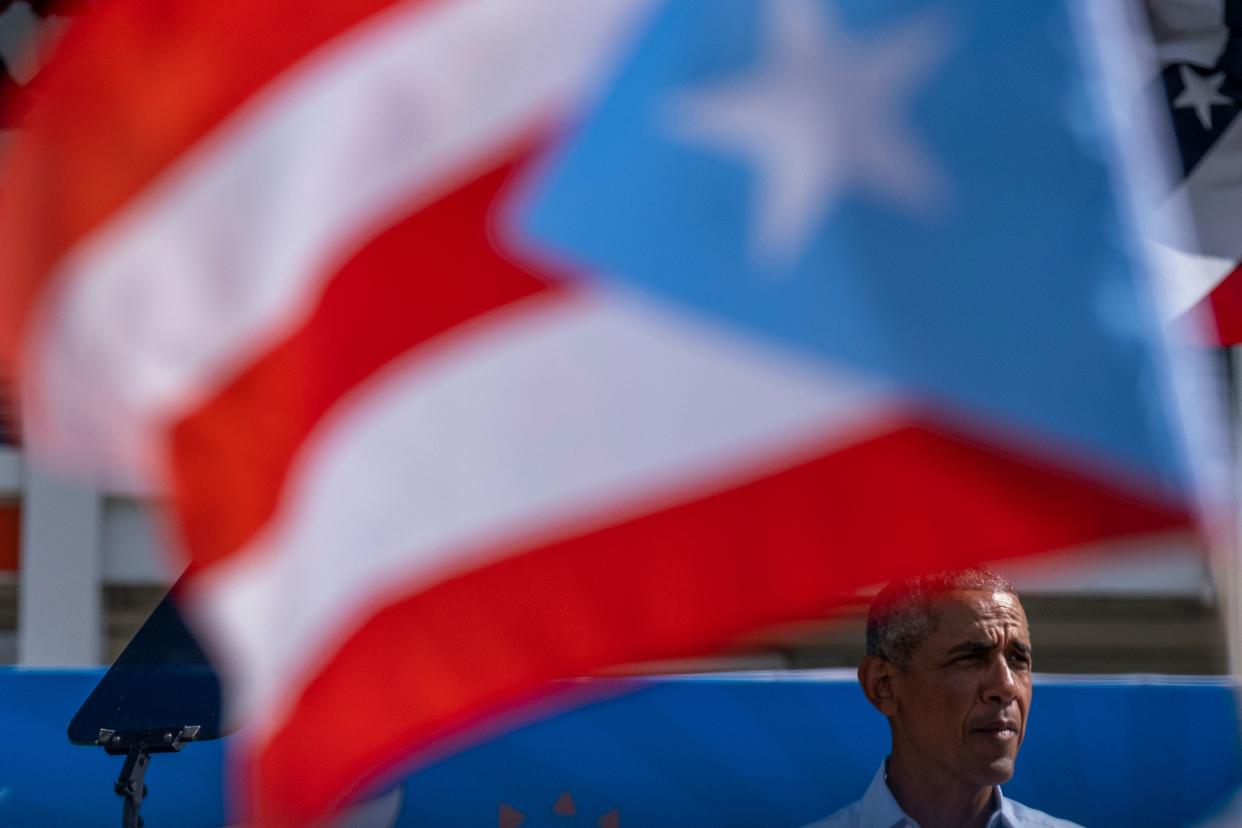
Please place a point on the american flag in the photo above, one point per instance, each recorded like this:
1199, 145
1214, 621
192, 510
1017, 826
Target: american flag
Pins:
1199, 48
478, 344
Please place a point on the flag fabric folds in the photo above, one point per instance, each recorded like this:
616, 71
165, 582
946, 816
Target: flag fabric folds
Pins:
477, 344
1199, 49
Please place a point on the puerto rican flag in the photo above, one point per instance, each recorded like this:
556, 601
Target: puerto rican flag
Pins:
478, 343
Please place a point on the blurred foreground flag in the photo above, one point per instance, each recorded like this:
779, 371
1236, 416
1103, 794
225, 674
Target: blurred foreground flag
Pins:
483, 343
1199, 48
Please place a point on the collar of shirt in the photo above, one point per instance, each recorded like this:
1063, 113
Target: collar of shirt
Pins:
880, 809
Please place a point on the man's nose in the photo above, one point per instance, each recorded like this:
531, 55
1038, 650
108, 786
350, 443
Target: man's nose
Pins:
1000, 685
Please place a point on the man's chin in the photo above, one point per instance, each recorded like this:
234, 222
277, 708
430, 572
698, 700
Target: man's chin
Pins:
995, 756
997, 771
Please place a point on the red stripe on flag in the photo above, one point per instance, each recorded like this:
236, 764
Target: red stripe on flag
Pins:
1225, 304
133, 87
668, 584
427, 274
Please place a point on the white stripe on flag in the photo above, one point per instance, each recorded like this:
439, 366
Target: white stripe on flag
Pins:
1212, 193
226, 252
553, 417
1184, 279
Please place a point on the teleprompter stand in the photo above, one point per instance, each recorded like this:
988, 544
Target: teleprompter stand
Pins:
141, 706
137, 746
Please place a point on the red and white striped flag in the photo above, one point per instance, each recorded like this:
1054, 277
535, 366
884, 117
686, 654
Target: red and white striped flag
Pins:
257, 257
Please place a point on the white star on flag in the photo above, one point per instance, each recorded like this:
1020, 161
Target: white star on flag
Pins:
1201, 94
819, 113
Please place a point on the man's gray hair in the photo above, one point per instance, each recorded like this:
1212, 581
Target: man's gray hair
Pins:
901, 616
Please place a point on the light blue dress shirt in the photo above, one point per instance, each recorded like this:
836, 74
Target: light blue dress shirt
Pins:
878, 809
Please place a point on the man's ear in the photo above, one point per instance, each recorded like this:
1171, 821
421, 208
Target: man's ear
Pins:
876, 676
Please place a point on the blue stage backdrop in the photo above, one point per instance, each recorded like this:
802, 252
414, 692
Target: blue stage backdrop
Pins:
766, 750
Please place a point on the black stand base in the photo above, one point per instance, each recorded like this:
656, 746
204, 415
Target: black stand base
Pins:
137, 747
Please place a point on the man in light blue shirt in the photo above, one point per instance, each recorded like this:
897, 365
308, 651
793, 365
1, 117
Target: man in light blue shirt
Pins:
949, 665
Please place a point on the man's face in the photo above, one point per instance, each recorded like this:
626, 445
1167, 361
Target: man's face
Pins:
961, 707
